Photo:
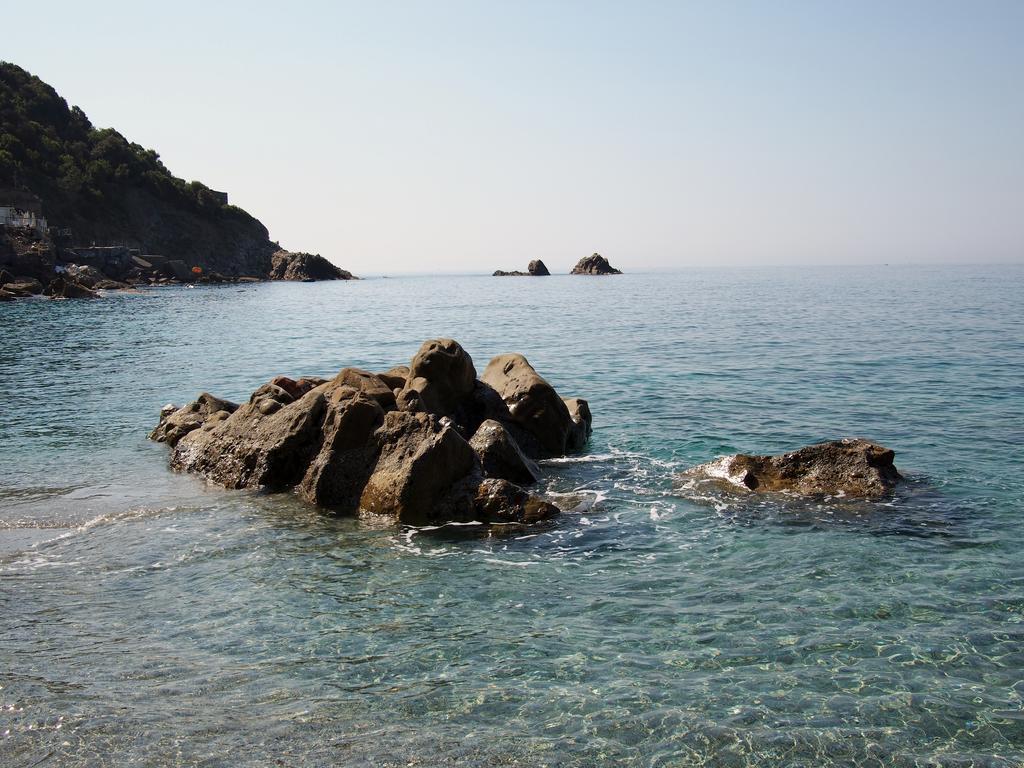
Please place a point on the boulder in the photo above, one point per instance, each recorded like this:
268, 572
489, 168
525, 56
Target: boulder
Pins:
500, 456
395, 377
348, 454
595, 264
7, 295
63, 288
499, 501
305, 267
533, 405
537, 268
175, 423
369, 384
85, 274
441, 377
257, 446
426, 472
579, 412
23, 286
848, 467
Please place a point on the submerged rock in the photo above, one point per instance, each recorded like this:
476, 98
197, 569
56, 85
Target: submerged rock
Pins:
595, 264
847, 467
351, 444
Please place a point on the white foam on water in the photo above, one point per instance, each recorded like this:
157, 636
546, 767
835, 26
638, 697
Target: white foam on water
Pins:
511, 563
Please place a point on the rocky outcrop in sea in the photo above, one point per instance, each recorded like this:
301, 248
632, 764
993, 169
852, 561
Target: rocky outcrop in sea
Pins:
306, 267
849, 467
595, 264
535, 268
427, 443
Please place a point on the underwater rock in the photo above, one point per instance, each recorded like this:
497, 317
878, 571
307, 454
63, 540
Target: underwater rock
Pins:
350, 445
848, 467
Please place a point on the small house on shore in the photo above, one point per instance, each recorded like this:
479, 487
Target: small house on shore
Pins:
19, 208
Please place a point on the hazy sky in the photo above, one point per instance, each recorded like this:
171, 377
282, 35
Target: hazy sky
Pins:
470, 136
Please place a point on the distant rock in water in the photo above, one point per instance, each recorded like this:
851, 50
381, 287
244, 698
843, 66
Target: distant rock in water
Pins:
847, 467
536, 268
595, 264
307, 267
424, 444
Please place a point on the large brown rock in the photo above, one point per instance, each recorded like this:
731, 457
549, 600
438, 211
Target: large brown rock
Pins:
499, 501
176, 423
538, 269
441, 377
595, 264
348, 452
847, 467
579, 412
426, 472
62, 288
23, 286
533, 405
259, 445
500, 456
369, 384
395, 377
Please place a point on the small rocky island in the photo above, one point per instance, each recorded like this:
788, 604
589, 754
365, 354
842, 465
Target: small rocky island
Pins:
595, 264
535, 268
849, 467
427, 443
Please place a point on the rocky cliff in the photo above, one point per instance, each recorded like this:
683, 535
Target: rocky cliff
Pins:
97, 187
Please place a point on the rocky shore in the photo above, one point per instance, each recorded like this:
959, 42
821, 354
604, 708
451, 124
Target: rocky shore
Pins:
31, 266
427, 443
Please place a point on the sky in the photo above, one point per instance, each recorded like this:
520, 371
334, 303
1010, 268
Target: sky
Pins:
413, 137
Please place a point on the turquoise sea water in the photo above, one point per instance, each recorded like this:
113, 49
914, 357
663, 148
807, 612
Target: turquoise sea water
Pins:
148, 619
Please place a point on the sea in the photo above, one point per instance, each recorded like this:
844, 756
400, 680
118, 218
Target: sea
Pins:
150, 619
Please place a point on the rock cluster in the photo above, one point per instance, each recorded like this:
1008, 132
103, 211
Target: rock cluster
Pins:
535, 268
848, 467
595, 264
307, 267
422, 444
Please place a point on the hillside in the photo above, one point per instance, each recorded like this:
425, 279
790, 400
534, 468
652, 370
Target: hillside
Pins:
107, 190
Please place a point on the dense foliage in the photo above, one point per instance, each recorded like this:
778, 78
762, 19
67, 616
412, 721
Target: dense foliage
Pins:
55, 152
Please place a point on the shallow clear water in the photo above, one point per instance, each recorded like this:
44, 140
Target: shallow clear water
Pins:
147, 619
